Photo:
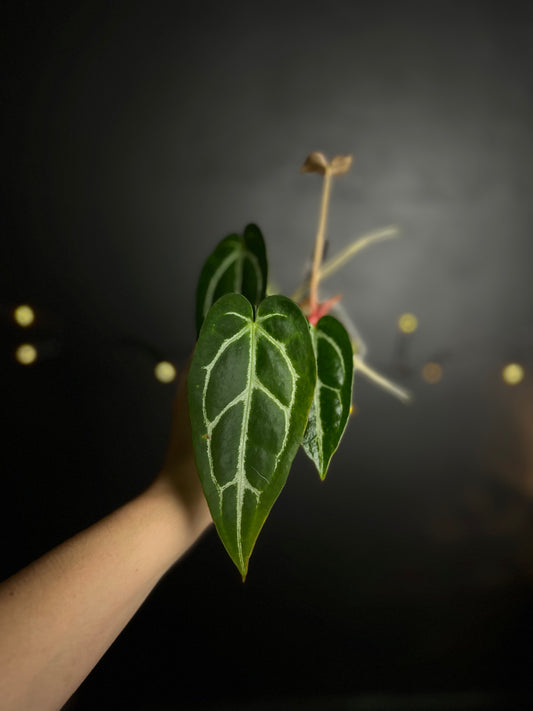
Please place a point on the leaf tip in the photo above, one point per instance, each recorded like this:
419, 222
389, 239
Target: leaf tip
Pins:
322, 468
243, 570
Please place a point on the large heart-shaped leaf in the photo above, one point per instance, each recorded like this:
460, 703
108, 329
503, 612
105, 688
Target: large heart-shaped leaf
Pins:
333, 394
250, 385
237, 265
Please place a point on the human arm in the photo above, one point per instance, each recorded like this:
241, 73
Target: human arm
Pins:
59, 615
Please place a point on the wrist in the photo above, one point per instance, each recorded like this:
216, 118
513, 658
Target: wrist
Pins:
183, 508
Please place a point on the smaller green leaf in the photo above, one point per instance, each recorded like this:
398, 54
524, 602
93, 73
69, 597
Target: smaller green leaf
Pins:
238, 265
333, 393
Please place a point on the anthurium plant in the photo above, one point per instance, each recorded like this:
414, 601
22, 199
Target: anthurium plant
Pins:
269, 374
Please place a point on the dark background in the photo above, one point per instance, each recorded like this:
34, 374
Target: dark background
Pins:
135, 136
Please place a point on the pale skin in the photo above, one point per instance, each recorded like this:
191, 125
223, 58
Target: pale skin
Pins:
60, 614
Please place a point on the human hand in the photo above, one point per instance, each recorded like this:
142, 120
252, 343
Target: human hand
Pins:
178, 476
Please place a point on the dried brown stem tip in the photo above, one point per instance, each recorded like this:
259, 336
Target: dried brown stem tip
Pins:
316, 163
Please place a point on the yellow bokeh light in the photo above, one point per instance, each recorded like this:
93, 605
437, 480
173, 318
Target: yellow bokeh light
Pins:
165, 372
408, 323
432, 372
513, 373
24, 315
26, 354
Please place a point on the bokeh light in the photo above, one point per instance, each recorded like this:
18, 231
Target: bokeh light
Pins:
408, 323
513, 373
165, 372
26, 354
24, 315
432, 372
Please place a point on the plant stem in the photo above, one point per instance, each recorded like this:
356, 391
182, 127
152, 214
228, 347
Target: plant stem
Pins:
319, 241
336, 262
380, 380
351, 250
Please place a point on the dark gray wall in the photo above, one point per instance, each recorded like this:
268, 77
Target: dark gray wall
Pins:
136, 135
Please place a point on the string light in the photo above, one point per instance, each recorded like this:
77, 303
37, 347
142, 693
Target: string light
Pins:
408, 323
165, 372
432, 372
513, 373
24, 315
26, 354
